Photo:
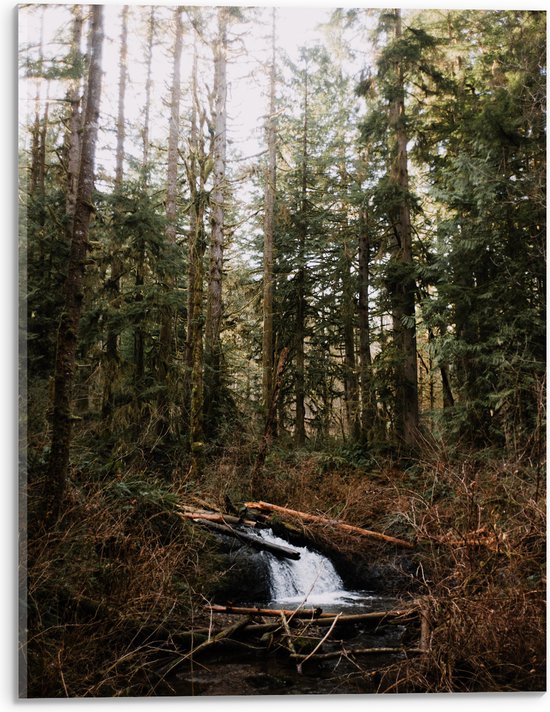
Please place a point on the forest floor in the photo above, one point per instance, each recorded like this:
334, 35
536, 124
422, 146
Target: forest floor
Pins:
116, 587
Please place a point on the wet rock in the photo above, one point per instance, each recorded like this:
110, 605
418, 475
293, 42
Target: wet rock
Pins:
243, 573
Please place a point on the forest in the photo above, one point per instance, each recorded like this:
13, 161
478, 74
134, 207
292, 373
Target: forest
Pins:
281, 269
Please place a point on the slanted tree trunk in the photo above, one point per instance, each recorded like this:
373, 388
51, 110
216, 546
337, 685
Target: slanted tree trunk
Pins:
403, 287
269, 230
68, 329
113, 282
167, 316
217, 202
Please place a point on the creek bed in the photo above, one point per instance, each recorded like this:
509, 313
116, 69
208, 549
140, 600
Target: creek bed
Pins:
310, 582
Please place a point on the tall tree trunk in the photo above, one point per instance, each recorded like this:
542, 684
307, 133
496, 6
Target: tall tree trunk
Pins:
122, 80
113, 283
167, 316
68, 329
269, 230
35, 131
38, 150
300, 425
196, 176
148, 88
404, 287
73, 140
367, 408
139, 333
214, 303
351, 389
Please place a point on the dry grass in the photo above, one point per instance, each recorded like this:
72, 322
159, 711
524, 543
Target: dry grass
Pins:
119, 577
109, 588
484, 595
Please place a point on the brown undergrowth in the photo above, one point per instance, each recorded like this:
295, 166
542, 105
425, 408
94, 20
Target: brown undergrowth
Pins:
115, 586
110, 588
478, 569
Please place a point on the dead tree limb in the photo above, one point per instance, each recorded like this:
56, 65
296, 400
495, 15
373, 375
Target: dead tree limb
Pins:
305, 658
298, 613
356, 651
425, 636
254, 541
214, 517
266, 506
316, 615
288, 636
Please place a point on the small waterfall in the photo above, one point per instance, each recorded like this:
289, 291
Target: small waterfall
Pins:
311, 579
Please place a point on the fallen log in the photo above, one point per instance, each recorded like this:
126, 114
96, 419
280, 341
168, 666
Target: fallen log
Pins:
361, 617
315, 614
275, 549
352, 652
266, 506
225, 633
205, 644
214, 517
297, 613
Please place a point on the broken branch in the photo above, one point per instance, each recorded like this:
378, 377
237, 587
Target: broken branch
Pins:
266, 506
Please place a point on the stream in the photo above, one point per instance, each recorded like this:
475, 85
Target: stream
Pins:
312, 582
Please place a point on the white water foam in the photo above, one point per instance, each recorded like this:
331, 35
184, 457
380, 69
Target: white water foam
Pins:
311, 579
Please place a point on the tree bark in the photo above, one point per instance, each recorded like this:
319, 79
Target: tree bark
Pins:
148, 88
269, 230
113, 283
321, 618
351, 389
217, 202
167, 316
139, 333
267, 507
277, 550
404, 287
300, 424
122, 79
220, 518
73, 140
367, 409
68, 329
196, 176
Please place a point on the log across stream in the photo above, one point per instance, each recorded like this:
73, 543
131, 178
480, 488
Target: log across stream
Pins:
312, 635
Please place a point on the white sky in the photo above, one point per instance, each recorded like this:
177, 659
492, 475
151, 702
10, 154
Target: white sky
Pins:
246, 95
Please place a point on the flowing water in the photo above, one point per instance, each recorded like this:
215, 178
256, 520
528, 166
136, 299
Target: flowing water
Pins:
310, 581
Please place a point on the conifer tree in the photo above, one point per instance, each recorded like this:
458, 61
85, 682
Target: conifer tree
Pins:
167, 315
269, 228
62, 416
213, 351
